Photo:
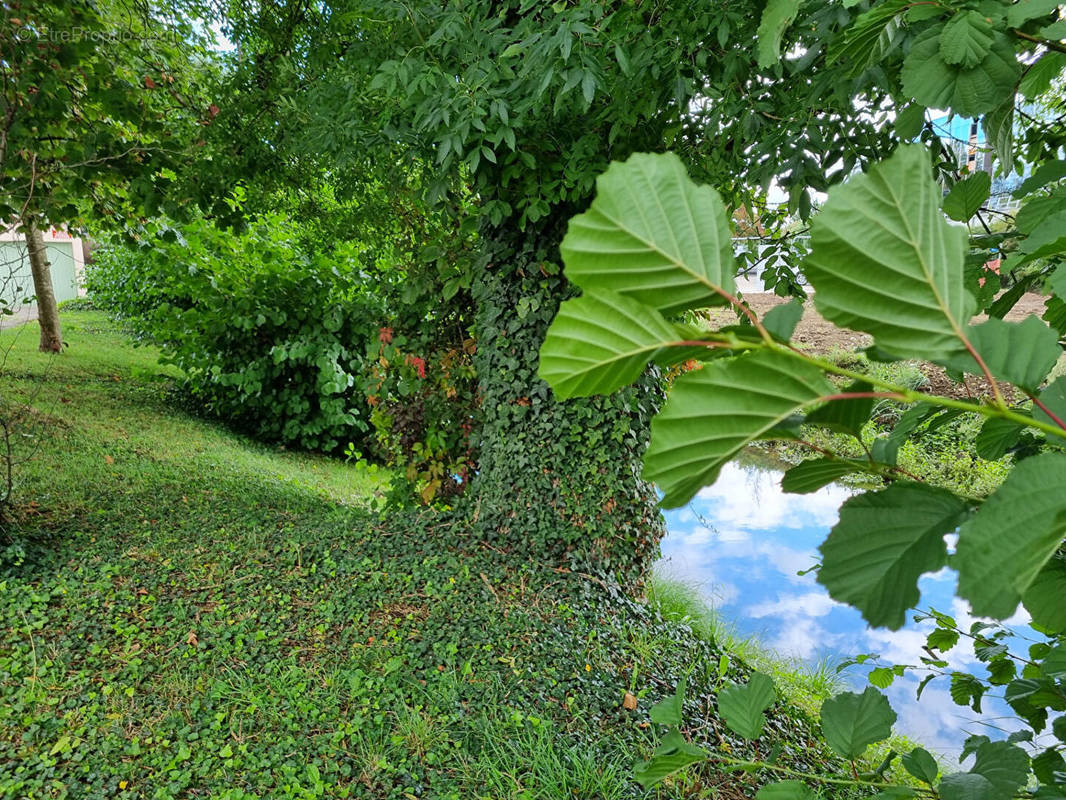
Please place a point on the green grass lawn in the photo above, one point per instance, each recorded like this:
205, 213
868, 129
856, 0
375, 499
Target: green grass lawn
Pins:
188, 614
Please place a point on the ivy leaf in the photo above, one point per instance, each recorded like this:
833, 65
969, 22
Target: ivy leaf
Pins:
919, 763
668, 710
776, 17
742, 706
884, 542
714, 412
1043, 598
966, 39
1003, 547
852, 722
600, 342
967, 196
812, 475
996, 437
786, 790
781, 321
1022, 353
885, 261
968, 91
652, 235
1005, 766
672, 754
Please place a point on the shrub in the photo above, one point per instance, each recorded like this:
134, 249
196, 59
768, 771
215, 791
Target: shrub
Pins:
268, 336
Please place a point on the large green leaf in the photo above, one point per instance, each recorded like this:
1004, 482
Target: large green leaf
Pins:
852, 722
884, 260
884, 542
776, 17
1021, 353
966, 39
653, 235
1004, 765
967, 196
742, 706
672, 754
965, 786
601, 342
969, 91
1043, 598
1004, 546
714, 412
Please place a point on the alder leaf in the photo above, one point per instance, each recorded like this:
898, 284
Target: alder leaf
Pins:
852, 722
713, 413
742, 705
812, 475
672, 754
1022, 353
884, 542
966, 39
1043, 598
601, 342
652, 235
1005, 545
885, 261
996, 437
968, 91
967, 196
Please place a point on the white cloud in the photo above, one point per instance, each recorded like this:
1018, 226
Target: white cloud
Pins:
807, 606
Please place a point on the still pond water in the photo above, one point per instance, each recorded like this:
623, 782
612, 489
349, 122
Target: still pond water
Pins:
743, 541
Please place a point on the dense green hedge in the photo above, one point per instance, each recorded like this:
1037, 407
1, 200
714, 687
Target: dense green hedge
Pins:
269, 337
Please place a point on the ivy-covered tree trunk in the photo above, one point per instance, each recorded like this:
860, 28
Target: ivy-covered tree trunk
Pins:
557, 480
47, 310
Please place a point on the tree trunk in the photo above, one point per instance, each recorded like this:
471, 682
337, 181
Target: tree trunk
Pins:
559, 481
47, 311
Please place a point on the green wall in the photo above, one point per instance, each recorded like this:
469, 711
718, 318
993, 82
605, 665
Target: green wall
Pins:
16, 282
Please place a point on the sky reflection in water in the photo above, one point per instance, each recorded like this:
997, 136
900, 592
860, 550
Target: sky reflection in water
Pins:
744, 555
